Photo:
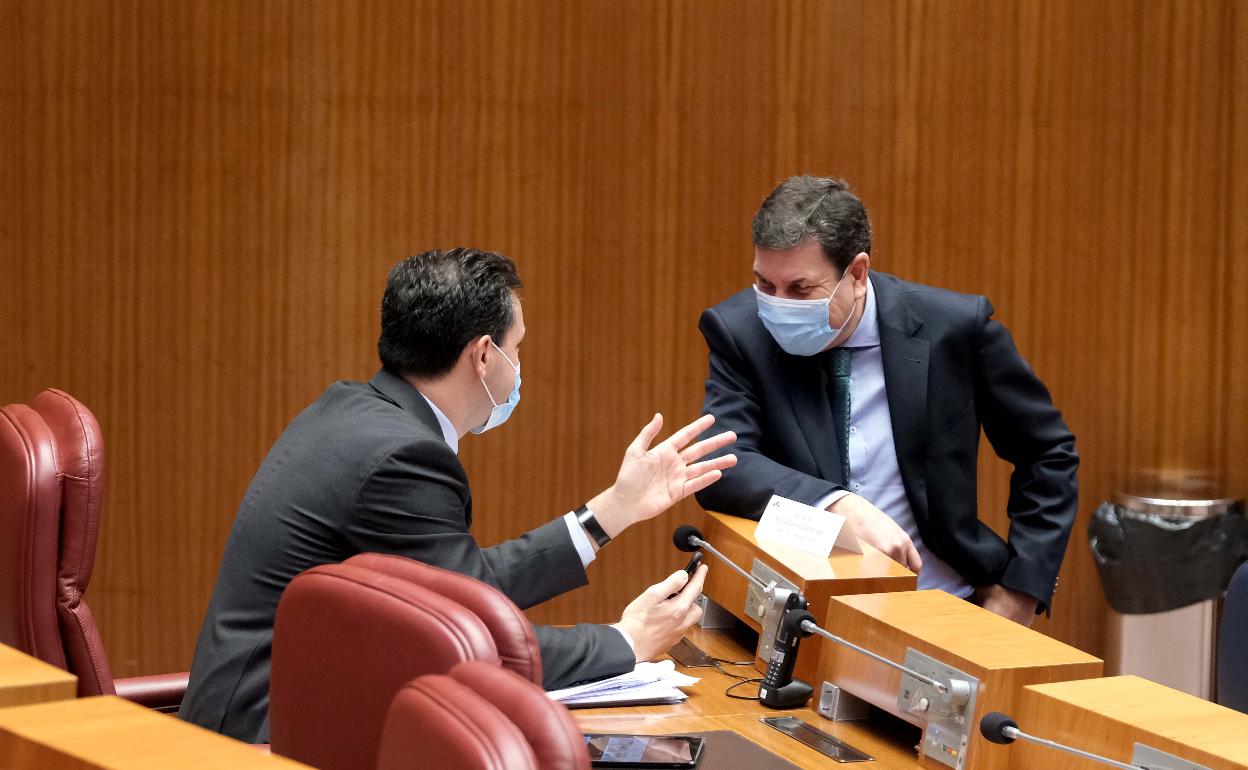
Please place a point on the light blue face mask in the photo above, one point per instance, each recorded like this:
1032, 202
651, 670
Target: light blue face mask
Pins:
799, 326
500, 412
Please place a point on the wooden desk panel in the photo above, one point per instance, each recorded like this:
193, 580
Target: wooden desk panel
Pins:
25, 679
819, 579
109, 733
1108, 716
1002, 655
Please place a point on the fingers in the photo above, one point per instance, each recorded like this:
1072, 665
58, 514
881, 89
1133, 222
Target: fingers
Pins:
694, 486
648, 434
673, 583
913, 562
706, 466
706, 446
691, 431
693, 589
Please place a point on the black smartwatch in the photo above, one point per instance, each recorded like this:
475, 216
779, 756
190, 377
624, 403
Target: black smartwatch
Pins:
589, 523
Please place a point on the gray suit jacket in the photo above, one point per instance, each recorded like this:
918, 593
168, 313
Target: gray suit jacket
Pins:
365, 469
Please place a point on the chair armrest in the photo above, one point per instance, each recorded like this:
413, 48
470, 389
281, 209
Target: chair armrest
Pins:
162, 692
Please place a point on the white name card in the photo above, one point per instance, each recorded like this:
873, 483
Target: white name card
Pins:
806, 528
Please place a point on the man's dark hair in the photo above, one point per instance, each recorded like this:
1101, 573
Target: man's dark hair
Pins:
437, 302
803, 207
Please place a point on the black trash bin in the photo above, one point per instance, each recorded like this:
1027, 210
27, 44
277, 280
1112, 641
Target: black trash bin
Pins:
1156, 554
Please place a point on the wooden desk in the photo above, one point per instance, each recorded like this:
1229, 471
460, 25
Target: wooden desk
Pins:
1003, 656
25, 679
816, 577
109, 733
891, 742
1109, 716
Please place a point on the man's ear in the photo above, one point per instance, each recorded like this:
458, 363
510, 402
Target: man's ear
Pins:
859, 267
475, 352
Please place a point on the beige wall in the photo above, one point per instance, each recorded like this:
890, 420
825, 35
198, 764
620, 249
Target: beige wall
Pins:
199, 201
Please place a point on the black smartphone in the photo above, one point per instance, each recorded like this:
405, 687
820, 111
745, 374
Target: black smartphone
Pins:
691, 567
693, 563
611, 750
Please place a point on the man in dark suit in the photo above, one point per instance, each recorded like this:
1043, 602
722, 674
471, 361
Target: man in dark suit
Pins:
372, 467
863, 394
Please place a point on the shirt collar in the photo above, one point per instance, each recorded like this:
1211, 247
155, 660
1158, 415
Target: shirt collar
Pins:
448, 430
867, 335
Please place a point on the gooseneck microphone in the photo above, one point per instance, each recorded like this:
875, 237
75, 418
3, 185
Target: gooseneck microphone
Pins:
689, 538
956, 692
779, 689
999, 728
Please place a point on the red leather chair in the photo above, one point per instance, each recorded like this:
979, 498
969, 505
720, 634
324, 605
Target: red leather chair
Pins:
345, 640
512, 631
51, 500
479, 717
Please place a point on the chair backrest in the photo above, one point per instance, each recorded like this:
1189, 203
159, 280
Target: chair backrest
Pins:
557, 741
472, 718
1232, 651
345, 639
513, 633
51, 501
436, 721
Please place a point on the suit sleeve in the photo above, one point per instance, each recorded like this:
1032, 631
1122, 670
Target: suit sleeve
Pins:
1026, 430
414, 503
732, 395
582, 653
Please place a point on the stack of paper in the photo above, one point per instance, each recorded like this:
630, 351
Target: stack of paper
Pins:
645, 684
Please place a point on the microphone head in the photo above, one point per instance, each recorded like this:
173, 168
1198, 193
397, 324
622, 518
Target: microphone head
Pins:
793, 619
993, 725
680, 538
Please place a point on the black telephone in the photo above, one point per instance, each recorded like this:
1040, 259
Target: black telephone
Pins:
779, 689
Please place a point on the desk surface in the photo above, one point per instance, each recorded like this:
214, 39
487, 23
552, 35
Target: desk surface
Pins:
109, 733
25, 679
889, 741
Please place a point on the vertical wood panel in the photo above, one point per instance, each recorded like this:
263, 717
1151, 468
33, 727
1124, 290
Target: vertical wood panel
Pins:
199, 202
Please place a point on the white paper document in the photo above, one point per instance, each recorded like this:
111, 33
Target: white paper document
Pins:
804, 527
647, 683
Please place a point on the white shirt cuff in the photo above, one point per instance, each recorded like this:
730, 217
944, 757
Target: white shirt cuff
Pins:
631, 644
580, 540
830, 498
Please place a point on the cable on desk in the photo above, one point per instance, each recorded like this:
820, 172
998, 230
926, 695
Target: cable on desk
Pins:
731, 687
732, 662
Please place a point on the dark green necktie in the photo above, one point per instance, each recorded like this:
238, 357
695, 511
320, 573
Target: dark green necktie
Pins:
840, 405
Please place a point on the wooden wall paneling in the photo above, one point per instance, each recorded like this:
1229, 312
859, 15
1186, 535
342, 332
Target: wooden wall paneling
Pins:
199, 203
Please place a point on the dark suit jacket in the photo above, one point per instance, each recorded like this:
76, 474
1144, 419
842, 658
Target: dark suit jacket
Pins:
948, 370
365, 469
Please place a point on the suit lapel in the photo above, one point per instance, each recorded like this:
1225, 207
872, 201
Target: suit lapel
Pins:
905, 357
807, 380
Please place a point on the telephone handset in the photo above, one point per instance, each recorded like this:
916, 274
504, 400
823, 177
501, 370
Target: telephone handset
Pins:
779, 689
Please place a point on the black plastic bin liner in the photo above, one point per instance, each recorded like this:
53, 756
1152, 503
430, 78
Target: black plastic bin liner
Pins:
1151, 563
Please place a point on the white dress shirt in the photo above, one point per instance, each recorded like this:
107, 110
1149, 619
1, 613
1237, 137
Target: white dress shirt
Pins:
873, 470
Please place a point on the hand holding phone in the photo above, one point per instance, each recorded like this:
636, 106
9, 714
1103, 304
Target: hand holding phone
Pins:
690, 568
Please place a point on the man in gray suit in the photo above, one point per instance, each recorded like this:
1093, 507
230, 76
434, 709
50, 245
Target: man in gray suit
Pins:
373, 467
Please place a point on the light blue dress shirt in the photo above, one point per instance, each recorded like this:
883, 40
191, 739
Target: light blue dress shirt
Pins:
873, 470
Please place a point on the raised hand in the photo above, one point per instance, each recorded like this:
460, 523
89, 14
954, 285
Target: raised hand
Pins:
654, 478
